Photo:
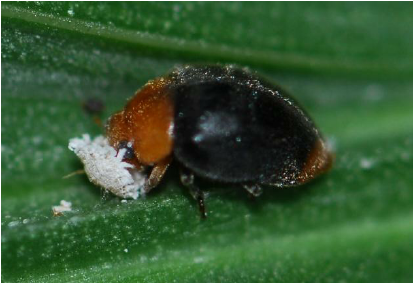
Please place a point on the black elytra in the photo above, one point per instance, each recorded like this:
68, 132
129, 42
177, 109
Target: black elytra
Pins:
232, 126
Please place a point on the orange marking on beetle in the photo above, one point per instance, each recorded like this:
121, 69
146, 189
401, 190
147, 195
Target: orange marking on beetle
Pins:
146, 121
318, 161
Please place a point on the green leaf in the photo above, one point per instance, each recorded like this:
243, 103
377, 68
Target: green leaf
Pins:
349, 64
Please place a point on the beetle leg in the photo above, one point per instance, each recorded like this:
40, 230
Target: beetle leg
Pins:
255, 190
157, 173
187, 179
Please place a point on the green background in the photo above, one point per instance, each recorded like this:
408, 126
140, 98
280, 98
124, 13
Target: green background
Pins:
349, 64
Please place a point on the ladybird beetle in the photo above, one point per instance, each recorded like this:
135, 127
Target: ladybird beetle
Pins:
220, 123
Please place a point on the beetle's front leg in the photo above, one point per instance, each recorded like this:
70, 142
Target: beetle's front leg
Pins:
157, 174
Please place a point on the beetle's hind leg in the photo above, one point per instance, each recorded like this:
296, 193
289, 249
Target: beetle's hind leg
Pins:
187, 179
254, 190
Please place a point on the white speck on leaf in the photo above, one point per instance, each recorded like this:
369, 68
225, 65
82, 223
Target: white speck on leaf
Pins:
366, 163
70, 12
199, 260
64, 206
13, 223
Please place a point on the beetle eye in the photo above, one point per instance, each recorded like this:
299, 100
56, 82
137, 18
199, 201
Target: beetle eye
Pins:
129, 154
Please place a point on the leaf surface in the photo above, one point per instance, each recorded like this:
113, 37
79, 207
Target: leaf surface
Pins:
349, 65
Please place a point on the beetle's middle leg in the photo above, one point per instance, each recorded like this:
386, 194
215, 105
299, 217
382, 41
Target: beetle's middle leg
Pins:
187, 179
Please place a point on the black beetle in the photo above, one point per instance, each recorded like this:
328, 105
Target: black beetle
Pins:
223, 124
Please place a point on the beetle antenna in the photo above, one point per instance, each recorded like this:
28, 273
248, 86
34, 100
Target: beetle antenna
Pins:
77, 172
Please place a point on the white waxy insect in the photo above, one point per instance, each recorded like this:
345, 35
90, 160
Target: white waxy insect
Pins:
104, 166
